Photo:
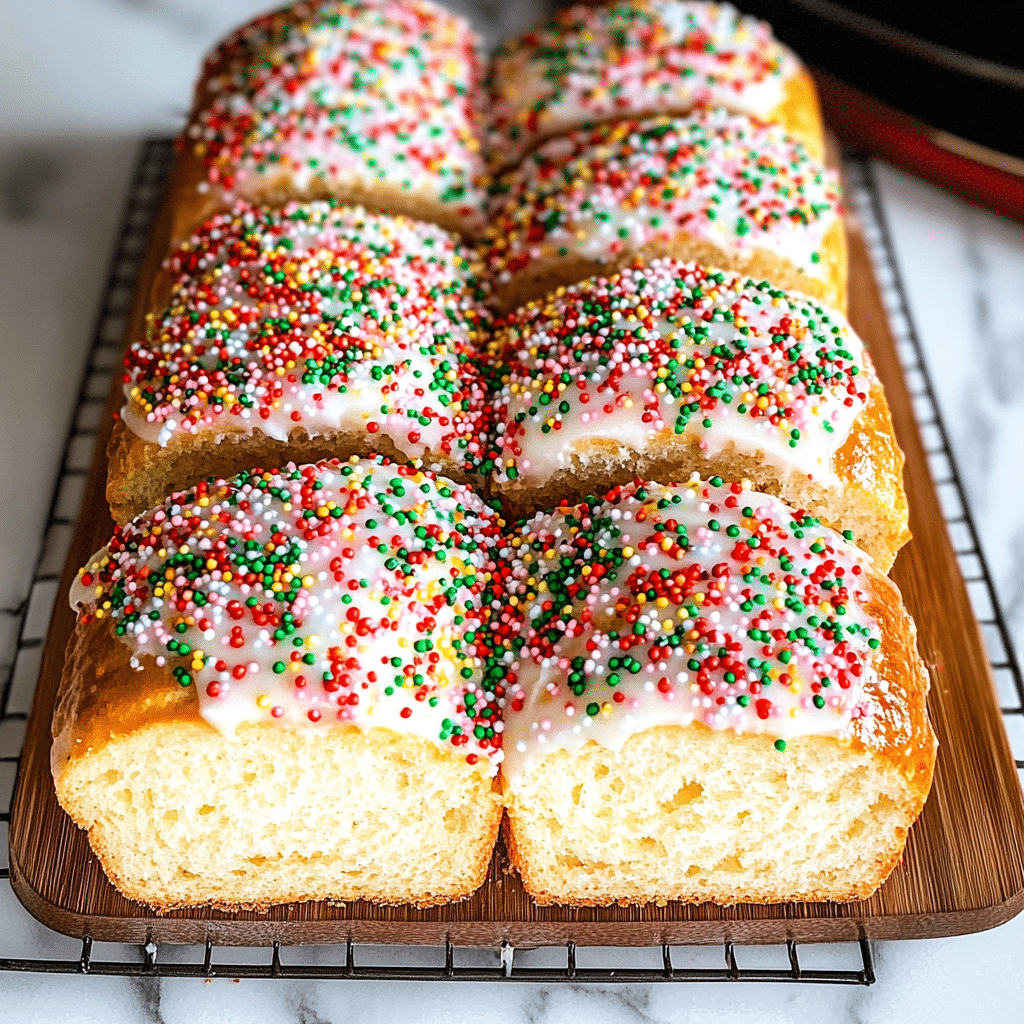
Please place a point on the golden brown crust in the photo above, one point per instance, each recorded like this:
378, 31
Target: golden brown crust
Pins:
542, 276
800, 113
899, 732
101, 696
870, 468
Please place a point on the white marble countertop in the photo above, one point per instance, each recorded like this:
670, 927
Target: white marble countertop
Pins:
84, 80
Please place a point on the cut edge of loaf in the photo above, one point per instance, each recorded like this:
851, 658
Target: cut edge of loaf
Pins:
280, 816
542, 277
875, 510
694, 814
141, 473
274, 814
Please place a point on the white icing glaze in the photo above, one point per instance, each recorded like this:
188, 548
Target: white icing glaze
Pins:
383, 566
580, 574
604, 193
348, 92
631, 59
318, 317
622, 359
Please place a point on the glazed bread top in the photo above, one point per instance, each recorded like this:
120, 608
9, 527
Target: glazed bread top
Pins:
314, 316
641, 57
338, 91
669, 349
338, 592
738, 184
705, 604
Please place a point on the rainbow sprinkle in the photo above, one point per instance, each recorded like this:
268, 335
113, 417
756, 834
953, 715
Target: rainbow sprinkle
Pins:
628, 60
345, 92
668, 349
703, 603
603, 194
317, 317
339, 592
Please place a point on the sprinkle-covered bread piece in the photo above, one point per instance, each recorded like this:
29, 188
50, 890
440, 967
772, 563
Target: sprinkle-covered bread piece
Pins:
671, 368
370, 101
301, 333
713, 186
712, 697
277, 690
637, 58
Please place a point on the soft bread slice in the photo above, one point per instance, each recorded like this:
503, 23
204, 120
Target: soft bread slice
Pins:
308, 332
715, 187
672, 368
274, 692
635, 58
685, 724
373, 102
180, 815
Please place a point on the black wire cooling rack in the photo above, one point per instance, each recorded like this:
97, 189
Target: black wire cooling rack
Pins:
27, 946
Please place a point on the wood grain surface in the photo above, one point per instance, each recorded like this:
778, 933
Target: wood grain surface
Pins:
963, 869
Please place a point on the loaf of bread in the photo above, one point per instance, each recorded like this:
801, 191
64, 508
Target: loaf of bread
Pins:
712, 697
373, 102
326, 681
635, 58
712, 186
669, 368
303, 333
277, 690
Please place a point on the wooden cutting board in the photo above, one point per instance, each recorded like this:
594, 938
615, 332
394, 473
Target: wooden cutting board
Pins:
964, 865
